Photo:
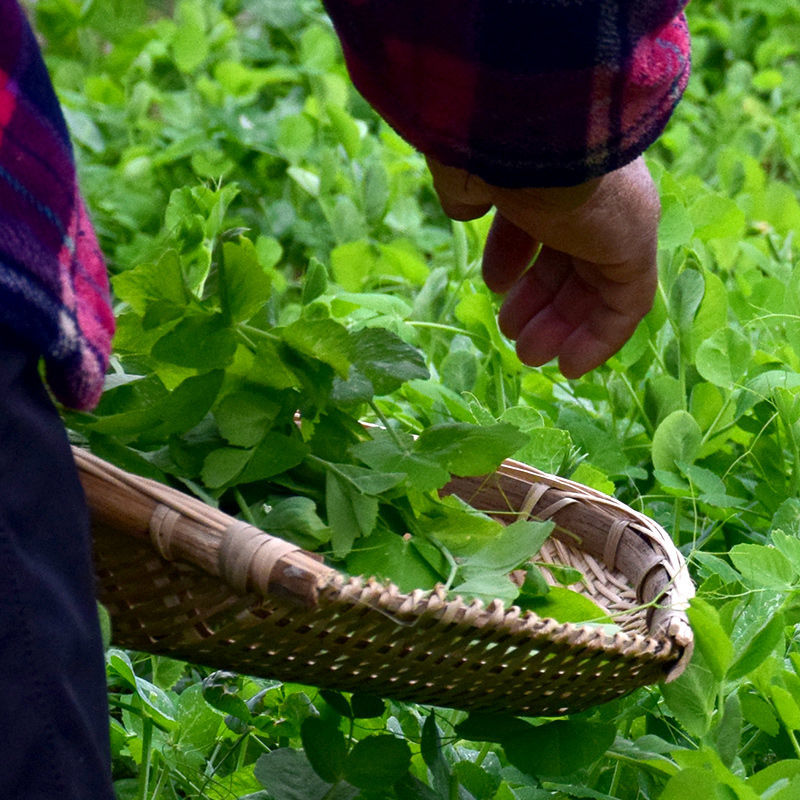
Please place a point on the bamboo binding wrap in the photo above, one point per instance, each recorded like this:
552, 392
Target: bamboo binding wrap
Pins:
184, 579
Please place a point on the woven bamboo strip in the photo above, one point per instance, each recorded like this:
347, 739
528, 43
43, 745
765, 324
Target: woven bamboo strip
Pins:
185, 579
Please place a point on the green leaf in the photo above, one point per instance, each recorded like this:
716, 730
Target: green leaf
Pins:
717, 217
410, 787
675, 227
367, 706
199, 728
545, 448
149, 282
763, 566
712, 316
352, 263
459, 370
724, 357
709, 485
710, 637
786, 769
288, 774
276, 453
787, 520
384, 454
482, 726
296, 516
758, 648
759, 712
534, 585
379, 760
245, 285
337, 701
404, 259
386, 360
431, 751
516, 544
269, 368
222, 694
245, 416
477, 313
189, 402
295, 138
590, 476
566, 576
487, 586
156, 704
691, 697
685, 298
221, 466
787, 707
190, 44
321, 339
350, 513
559, 748
315, 282
105, 625
693, 782
181, 345
466, 449
564, 605
346, 129
789, 546
677, 439
367, 481
384, 554
729, 731
462, 529
477, 780
325, 748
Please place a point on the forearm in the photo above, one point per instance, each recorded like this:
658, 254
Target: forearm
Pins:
521, 94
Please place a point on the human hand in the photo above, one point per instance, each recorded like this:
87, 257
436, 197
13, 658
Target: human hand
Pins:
594, 277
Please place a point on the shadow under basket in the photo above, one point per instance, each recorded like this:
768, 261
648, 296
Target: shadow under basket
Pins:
183, 579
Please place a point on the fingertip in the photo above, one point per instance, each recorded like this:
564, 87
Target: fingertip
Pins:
572, 371
463, 212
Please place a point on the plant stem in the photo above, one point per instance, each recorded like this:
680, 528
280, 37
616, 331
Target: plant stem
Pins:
385, 422
482, 753
147, 743
615, 778
454, 793
243, 507
253, 331
439, 326
793, 740
638, 403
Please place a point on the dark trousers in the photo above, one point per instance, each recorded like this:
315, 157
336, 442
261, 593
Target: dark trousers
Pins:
53, 704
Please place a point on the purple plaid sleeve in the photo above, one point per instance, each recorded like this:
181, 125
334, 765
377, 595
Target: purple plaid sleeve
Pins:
53, 283
520, 92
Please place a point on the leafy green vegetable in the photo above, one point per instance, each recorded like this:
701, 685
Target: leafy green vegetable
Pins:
275, 248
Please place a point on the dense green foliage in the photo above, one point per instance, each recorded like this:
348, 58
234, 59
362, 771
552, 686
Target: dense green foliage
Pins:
248, 199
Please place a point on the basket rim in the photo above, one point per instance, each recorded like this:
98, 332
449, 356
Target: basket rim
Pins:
251, 560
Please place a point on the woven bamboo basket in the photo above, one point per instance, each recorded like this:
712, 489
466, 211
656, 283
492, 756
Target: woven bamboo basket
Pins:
184, 579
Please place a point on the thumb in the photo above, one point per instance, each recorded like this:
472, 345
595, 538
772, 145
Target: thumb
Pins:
463, 196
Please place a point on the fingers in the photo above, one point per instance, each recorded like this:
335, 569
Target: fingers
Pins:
595, 342
507, 254
595, 275
569, 310
463, 196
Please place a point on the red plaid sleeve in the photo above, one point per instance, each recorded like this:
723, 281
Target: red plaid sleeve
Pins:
520, 92
53, 284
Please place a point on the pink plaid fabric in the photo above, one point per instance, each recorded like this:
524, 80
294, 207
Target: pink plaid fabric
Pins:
520, 92
53, 283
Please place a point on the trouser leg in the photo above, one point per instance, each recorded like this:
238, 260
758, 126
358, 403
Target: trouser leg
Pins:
53, 702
